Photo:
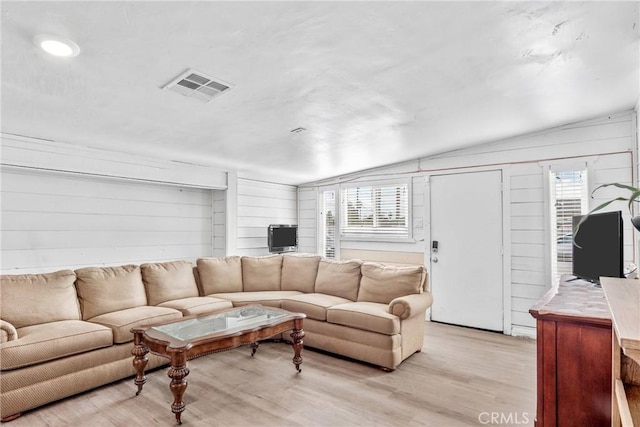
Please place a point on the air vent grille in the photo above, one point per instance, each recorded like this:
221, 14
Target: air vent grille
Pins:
197, 85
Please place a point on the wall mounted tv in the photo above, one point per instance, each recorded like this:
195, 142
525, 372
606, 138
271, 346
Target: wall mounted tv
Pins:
598, 246
282, 238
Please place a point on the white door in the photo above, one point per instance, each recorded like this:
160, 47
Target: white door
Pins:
466, 268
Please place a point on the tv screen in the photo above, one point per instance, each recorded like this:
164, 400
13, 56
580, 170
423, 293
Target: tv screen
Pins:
598, 246
282, 238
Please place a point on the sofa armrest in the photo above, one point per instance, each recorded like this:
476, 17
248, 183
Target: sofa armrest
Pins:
8, 331
410, 305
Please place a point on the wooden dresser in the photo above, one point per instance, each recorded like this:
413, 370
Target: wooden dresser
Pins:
623, 297
573, 356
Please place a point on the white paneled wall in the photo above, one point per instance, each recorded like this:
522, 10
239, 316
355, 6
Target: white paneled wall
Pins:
307, 217
529, 275
34, 153
607, 144
258, 205
418, 209
219, 223
529, 231
54, 220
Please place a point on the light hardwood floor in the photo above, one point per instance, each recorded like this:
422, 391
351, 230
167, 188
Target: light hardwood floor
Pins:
461, 377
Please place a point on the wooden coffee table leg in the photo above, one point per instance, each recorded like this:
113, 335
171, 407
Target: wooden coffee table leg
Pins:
177, 372
254, 347
140, 359
296, 335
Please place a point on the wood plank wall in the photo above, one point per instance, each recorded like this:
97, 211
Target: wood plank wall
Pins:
608, 144
219, 223
35, 153
260, 204
528, 241
307, 213
52, 221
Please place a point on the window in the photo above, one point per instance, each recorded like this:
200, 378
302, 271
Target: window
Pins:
328, 224
569, 197
374, 211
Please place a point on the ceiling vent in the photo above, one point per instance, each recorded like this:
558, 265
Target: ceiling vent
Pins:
194, 84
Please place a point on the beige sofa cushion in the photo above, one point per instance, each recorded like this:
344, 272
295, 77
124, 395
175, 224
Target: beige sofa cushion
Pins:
383, 283
31, 299
299, 272
220, 274
270, 298
197, 305
369, 316
339, 278
261, 273
168, 281
49, 341
106, 289
313, 305
122, 321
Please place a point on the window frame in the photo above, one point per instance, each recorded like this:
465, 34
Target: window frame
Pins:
553, 170
322, 226
372, 234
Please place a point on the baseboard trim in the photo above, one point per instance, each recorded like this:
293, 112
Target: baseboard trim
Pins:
523, 331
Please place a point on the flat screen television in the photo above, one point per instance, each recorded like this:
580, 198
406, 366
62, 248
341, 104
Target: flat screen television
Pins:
282, 238
598, 246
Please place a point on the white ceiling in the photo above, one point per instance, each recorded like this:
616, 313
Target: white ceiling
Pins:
373, 83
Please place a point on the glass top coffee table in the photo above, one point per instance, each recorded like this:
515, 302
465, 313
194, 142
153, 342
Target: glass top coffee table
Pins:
194, 336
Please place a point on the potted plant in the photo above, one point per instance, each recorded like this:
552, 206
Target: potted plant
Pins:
631, 198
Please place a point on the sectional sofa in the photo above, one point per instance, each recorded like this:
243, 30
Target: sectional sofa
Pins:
66, 332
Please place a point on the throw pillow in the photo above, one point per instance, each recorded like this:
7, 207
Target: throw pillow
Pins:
168, 281
383, 283
32, 299
108, 289
299, 272
220, 275
261, 273
339, 278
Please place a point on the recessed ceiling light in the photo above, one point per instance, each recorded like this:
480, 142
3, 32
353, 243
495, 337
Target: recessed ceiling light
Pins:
57, 46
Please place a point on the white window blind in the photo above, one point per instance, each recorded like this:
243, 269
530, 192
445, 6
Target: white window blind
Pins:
328, 237
380, 210
569, 198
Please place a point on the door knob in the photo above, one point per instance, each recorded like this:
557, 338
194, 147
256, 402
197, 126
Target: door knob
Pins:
434, 259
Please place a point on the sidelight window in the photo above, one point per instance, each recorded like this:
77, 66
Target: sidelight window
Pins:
569, 197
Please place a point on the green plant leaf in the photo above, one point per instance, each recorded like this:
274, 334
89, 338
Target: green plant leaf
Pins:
616, 184
634, 197
607, 203
597, 208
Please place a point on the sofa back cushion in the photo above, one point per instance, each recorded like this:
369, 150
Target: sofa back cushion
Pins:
299, 272
339, 278
168, 281
108, 289
32, 299
383, 283
261, 273
220, 275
